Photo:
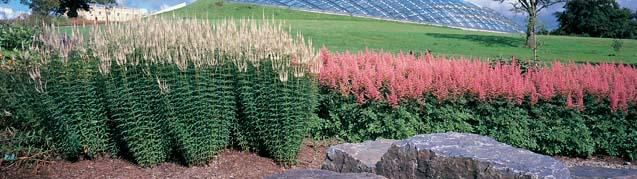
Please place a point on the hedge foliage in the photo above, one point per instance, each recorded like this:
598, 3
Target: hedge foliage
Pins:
160, 89
546, 127
273, 114
16, 36
78, 117
561, 109
190, 89
22, 114
192, 113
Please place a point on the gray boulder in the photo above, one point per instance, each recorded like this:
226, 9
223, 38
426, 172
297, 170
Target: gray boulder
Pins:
464, 156
355, 158
322, 174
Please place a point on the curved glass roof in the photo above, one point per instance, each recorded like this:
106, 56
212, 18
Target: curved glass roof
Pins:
453, 13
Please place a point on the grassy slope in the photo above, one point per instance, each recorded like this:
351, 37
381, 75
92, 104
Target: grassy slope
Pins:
354, 34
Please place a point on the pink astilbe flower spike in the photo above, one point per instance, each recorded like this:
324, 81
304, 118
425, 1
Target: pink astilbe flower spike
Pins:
391, 78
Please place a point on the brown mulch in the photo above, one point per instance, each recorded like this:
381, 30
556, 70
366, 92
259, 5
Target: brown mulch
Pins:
227, 164
597, 161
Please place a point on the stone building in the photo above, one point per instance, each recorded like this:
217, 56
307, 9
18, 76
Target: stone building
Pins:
108, 13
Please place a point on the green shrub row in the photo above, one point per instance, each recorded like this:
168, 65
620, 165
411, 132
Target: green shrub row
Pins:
21, 112
547, 127
16, 37
76, 115
273, 114
154, 113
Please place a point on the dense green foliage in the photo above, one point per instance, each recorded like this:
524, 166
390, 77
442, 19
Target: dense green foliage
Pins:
15, 36
274, 113
599, 18
22, 114
202, 110
78, 118
149, 112
547, 127
138, 114
346, 33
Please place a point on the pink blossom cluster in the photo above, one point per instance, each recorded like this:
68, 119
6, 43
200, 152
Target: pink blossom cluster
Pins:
394, 77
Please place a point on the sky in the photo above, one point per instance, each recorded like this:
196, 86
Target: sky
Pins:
546, 16
14, 8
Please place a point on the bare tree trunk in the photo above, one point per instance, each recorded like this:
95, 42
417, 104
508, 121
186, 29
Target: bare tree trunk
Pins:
530, 30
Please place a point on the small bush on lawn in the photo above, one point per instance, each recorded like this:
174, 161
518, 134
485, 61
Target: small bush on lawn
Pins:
562, 109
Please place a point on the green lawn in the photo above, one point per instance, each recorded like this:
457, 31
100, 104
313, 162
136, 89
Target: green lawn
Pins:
354, 34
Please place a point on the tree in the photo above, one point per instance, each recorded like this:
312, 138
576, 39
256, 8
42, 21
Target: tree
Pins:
42, 7
542, 30
61, 7
635, 20
70, 7
531, 8
598, 18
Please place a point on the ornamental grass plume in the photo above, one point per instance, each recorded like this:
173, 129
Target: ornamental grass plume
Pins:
194, 85
183, 41
394, 77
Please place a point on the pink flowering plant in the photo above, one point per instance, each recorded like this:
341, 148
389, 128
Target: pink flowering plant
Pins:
557, 109
391, 78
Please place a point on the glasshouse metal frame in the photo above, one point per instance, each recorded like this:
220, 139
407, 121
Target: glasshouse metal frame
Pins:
451, 13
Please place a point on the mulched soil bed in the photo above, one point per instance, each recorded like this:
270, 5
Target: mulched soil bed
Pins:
597, 161
227, 164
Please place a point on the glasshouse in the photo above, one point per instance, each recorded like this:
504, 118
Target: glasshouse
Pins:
452, 13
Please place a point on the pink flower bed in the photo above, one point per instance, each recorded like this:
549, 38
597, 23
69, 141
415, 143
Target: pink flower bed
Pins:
395, 77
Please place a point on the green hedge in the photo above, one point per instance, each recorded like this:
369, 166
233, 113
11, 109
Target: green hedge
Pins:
273, 113
547, 127
77, 115
16, 37
23, 112
137, 113
153, 113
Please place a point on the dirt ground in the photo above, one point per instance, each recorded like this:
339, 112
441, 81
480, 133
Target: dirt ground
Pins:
597, 161
229, 164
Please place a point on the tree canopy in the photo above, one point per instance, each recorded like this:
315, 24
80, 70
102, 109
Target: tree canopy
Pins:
597, 18
61, 7
42, 7
531, 8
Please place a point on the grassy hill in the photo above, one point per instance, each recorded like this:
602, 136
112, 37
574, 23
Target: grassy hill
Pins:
353, 33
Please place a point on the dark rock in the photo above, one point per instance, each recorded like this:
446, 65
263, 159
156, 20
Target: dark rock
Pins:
602, 173
464, 156
322, 174
360, 157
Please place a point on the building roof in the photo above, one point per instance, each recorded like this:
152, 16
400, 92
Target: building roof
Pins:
452, 13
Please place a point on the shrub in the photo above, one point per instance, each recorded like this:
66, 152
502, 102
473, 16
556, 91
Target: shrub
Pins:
379, 76
77, 112
137, 114
562, 109
22, 114
617, 46
277, 109
16, 36
157, 86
